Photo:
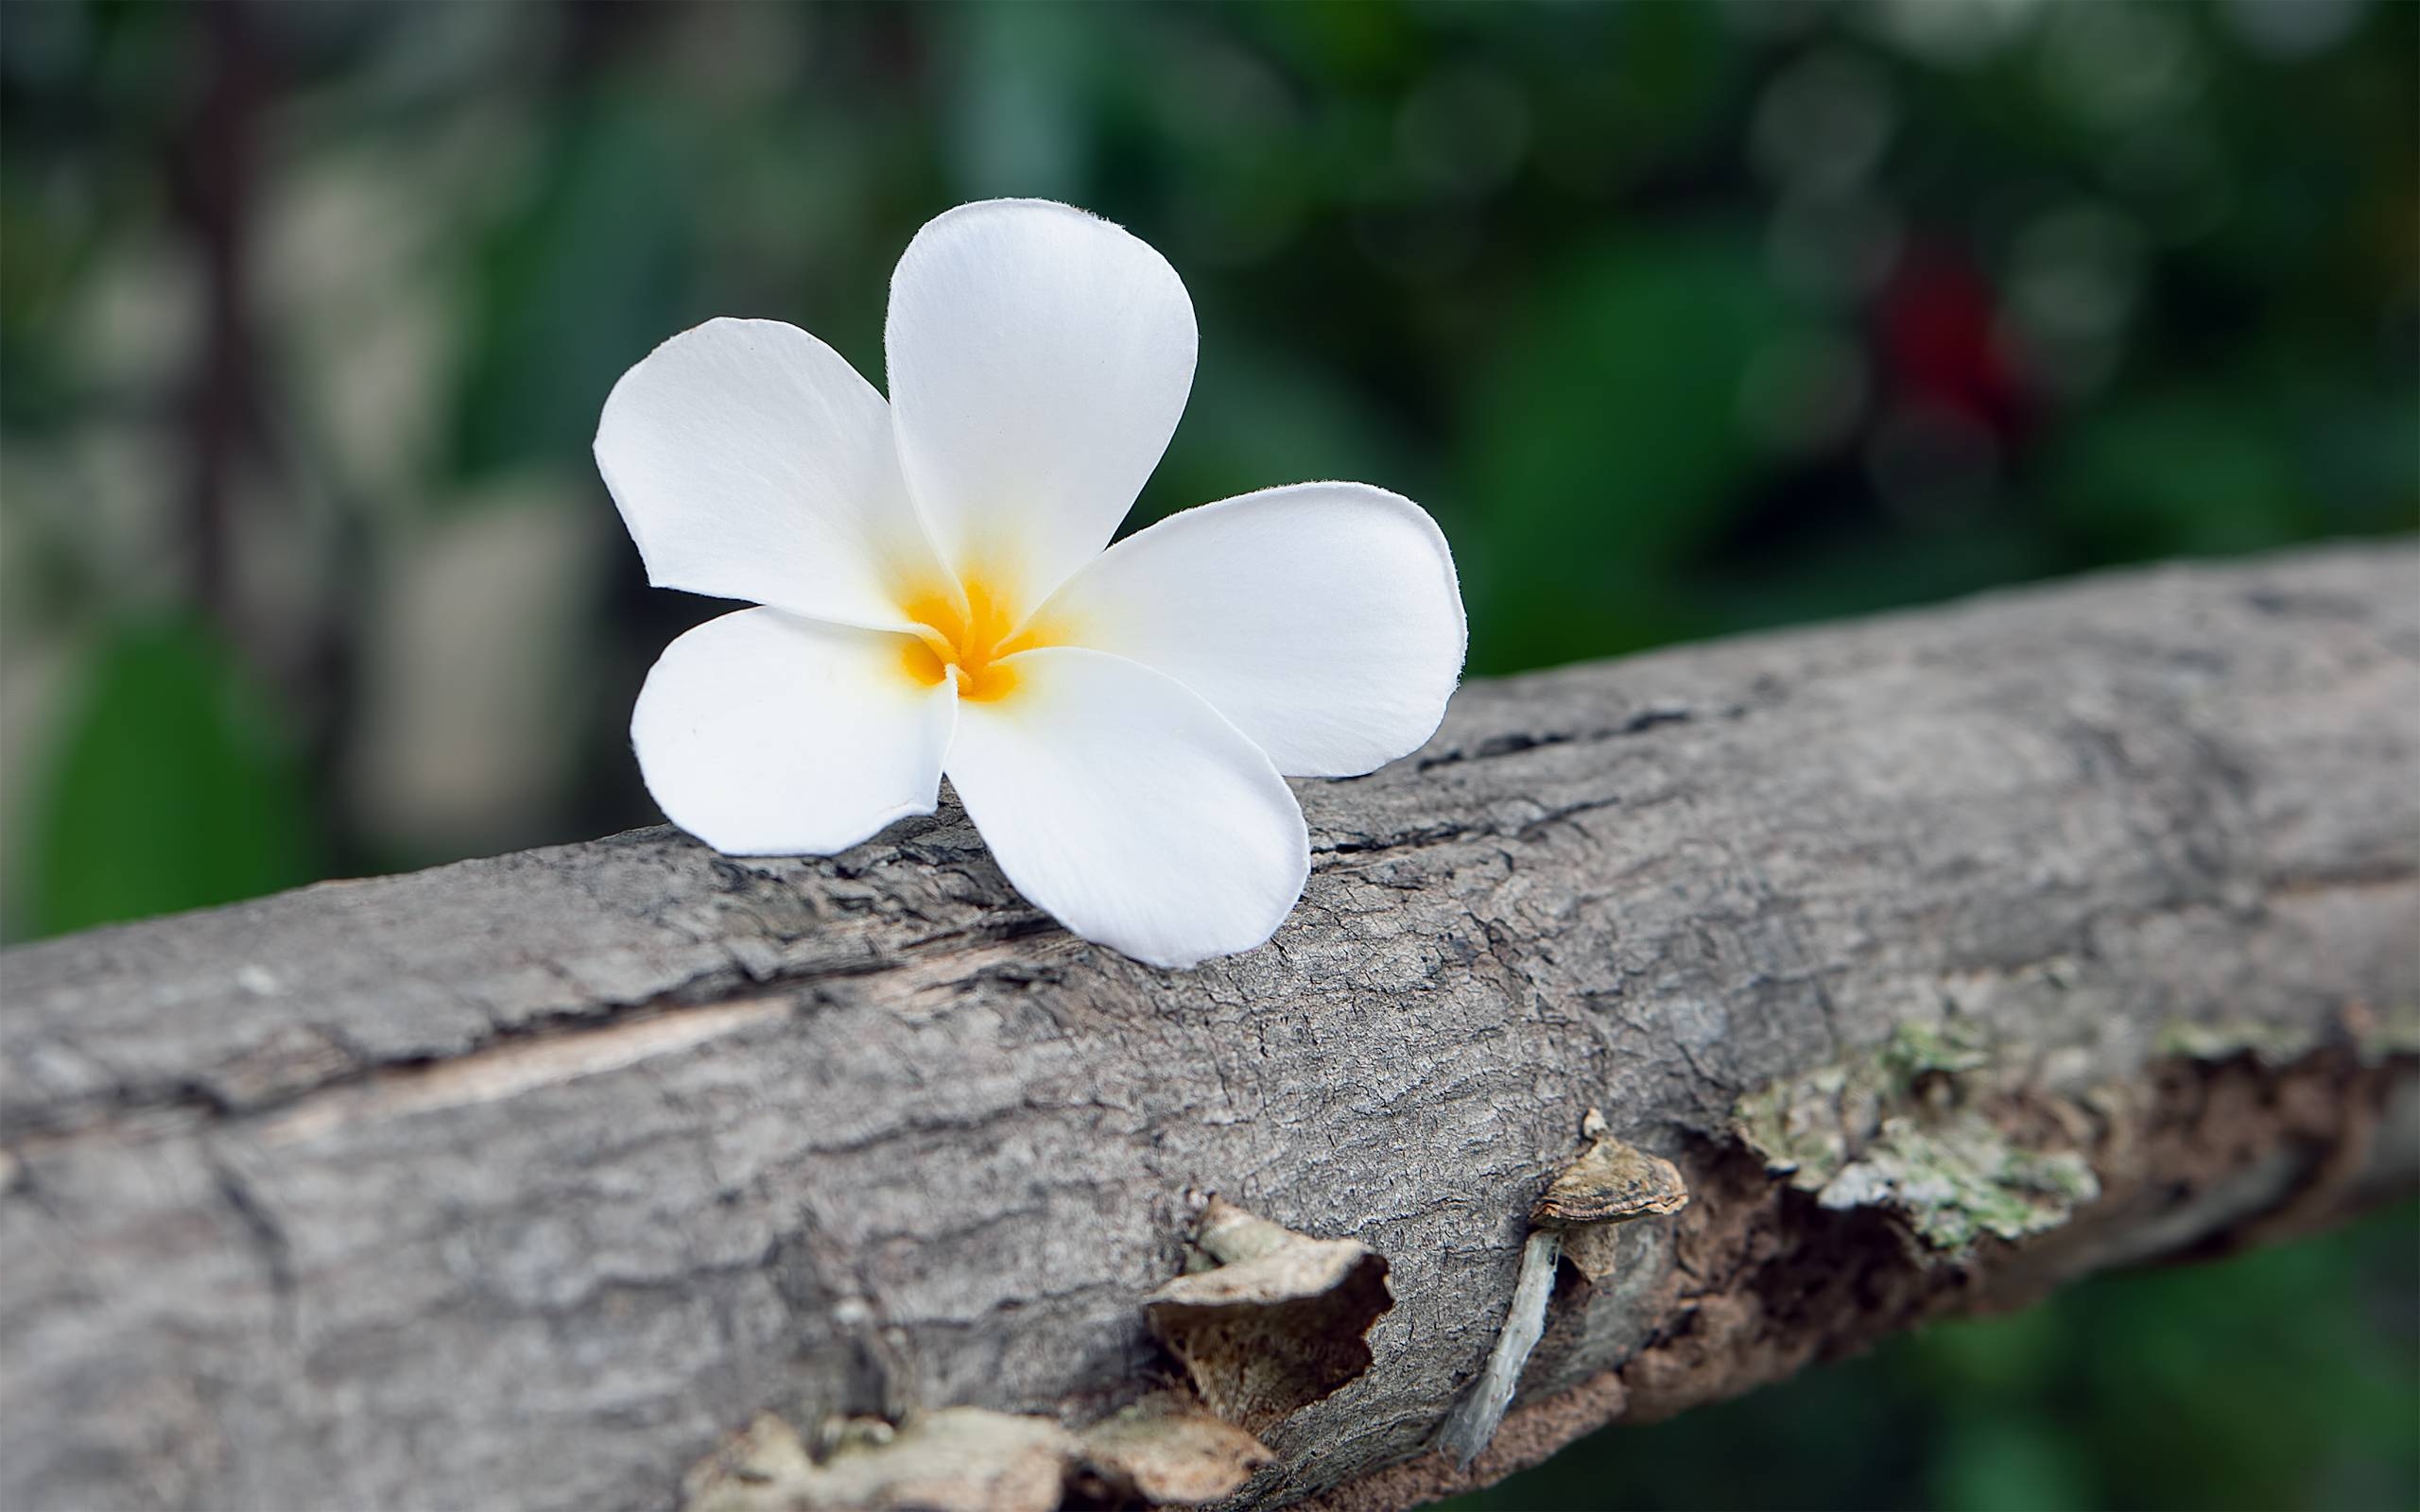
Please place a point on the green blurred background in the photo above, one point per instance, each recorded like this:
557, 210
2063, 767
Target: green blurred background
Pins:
1682, 318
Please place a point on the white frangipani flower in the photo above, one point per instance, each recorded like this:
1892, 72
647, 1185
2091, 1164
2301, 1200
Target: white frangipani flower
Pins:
936, 601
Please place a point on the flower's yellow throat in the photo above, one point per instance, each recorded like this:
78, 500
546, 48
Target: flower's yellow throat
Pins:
970, 642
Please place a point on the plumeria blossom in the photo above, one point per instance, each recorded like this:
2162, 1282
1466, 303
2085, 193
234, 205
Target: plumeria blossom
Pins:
936, 598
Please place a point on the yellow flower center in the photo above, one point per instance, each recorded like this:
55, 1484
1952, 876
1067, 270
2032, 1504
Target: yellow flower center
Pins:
968, 636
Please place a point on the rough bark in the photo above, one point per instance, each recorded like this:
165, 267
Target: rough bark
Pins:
1947, 954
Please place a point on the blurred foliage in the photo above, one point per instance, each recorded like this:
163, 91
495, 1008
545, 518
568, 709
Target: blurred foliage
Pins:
1683, 317
169, 789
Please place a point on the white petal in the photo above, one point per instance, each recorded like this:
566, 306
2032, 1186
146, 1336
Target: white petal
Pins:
1322, 619
1126, 807
763, 733
1039, 358
750, 461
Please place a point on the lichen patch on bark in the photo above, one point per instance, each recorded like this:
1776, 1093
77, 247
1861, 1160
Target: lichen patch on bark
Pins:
2191, 1158
2373, 1036
1910, 1127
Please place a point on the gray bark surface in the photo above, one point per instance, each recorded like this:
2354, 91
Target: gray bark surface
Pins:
522, 1183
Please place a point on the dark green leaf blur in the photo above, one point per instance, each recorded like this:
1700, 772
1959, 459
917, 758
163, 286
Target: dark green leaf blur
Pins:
1683, 319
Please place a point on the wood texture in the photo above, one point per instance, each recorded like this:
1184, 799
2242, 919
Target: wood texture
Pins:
522, 1183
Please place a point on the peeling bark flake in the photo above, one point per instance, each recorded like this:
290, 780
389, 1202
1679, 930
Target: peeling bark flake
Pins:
1608, 1184
1169, 1452
1274, 1321
959, 1459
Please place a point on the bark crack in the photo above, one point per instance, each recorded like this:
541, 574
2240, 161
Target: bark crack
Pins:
1520, 743
266, 1235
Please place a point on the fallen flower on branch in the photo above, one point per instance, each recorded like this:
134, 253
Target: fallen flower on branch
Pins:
937, 599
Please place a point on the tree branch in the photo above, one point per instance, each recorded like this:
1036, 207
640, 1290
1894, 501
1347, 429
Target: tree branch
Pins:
1947, 955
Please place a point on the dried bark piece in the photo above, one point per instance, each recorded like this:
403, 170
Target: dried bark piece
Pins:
1271, 1321
958, 1459
1167, 1451
756, 1470
1608, 1184
1472, 1424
